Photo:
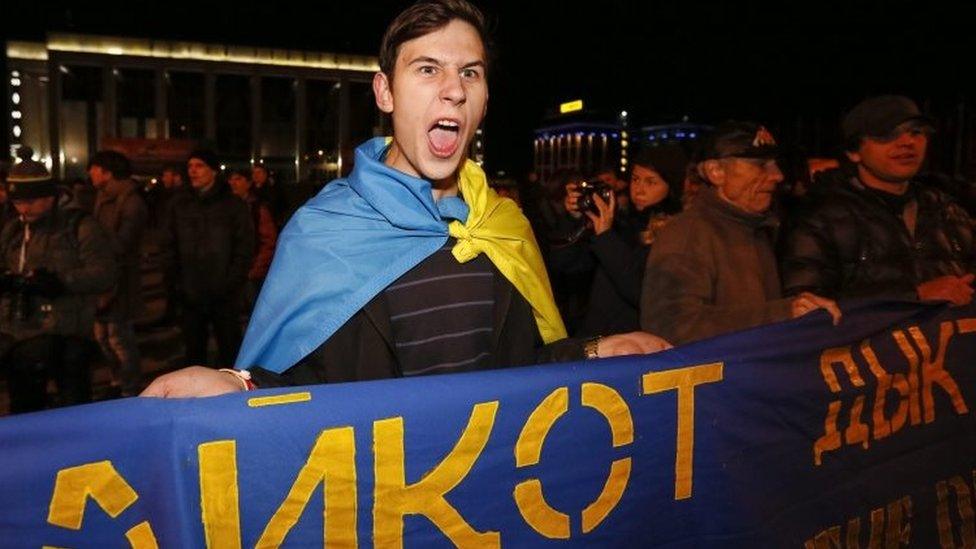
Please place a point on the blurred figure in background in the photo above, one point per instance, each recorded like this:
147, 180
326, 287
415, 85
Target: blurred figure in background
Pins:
265, 234
121, 211
208, 239
56, 260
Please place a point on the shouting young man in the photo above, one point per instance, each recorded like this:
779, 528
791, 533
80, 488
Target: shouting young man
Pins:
412, 265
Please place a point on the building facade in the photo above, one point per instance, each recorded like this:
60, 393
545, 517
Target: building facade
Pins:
299, 113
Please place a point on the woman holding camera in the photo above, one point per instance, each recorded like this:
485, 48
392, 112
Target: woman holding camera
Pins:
620, 242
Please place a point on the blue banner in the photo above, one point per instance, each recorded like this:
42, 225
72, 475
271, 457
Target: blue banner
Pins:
798, 434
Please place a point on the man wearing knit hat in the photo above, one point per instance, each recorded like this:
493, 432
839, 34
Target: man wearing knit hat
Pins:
874, 228
55, 260
207, 241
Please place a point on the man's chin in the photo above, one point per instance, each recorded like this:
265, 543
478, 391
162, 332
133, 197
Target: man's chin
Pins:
440, 168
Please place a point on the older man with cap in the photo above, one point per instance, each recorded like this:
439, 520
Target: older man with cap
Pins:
56, 260
712, 269
874, 229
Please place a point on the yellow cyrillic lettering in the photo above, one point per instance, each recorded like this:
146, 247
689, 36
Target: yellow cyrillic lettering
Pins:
857, 431
842, 356
876, 541
886, 382
899, 523
614, 409
538, 513
684, 380
964, 504
332, 462
394, 498
218, 494
141, 536
528, 494
528, 447
934, 372
830, 440
613, 491
74, 485
914, 407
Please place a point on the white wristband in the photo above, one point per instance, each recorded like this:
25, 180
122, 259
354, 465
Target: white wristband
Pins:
243, 376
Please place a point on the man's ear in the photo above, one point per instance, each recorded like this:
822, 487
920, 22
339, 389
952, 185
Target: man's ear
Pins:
853, 156
713, 171
383, 93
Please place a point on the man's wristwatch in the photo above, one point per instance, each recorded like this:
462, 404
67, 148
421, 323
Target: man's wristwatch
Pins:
591, 347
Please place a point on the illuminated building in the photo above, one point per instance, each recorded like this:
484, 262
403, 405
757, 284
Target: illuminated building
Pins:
300, 113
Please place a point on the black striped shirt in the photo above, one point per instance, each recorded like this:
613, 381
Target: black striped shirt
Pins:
441, 314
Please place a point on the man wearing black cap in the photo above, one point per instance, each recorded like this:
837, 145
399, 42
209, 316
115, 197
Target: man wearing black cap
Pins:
208, 242
55, 262
712, 269
873, 229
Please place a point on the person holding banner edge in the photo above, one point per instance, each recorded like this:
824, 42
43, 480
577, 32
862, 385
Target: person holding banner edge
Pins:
418, 267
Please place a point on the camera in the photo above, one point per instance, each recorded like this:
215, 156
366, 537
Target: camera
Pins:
21, 295
587, 190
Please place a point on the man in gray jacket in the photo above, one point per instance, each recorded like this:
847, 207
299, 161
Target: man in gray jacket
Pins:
712, 269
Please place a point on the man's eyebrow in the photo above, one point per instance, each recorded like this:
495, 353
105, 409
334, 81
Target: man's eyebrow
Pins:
425, 59
439, 63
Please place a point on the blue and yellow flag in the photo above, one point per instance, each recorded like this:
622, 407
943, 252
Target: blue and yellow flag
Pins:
360, 234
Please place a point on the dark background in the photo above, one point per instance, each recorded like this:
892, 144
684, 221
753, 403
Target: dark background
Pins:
792, 65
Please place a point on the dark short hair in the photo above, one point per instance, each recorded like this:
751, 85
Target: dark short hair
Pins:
112, 161
423, 18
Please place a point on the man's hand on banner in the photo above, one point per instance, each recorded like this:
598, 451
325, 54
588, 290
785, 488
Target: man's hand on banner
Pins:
806, 302
632, 343
194, 381
957, 290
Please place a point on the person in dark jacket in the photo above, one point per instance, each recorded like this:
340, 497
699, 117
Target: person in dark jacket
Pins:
123, 214
270, 192
874, 229
414, 207
618, 248
208, 239
56, 260
265, 234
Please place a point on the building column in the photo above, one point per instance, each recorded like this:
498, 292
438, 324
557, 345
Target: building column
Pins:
161, 105
109, 108
301, 128
54, 93
344, 102
255, 85
210, 106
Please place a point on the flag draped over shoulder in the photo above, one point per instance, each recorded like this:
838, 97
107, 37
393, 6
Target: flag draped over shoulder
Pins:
361, 233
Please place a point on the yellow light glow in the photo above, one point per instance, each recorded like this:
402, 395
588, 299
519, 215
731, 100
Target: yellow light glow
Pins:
571, 106
32, 51
139, 47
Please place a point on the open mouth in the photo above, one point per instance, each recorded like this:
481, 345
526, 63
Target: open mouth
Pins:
444, 137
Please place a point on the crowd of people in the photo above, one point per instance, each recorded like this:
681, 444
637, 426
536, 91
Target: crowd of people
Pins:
73, 259
412, 265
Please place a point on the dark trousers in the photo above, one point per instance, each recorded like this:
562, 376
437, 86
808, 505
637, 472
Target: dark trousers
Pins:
225, 318
31, 363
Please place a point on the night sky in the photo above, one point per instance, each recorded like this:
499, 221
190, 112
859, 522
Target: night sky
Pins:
792, 65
